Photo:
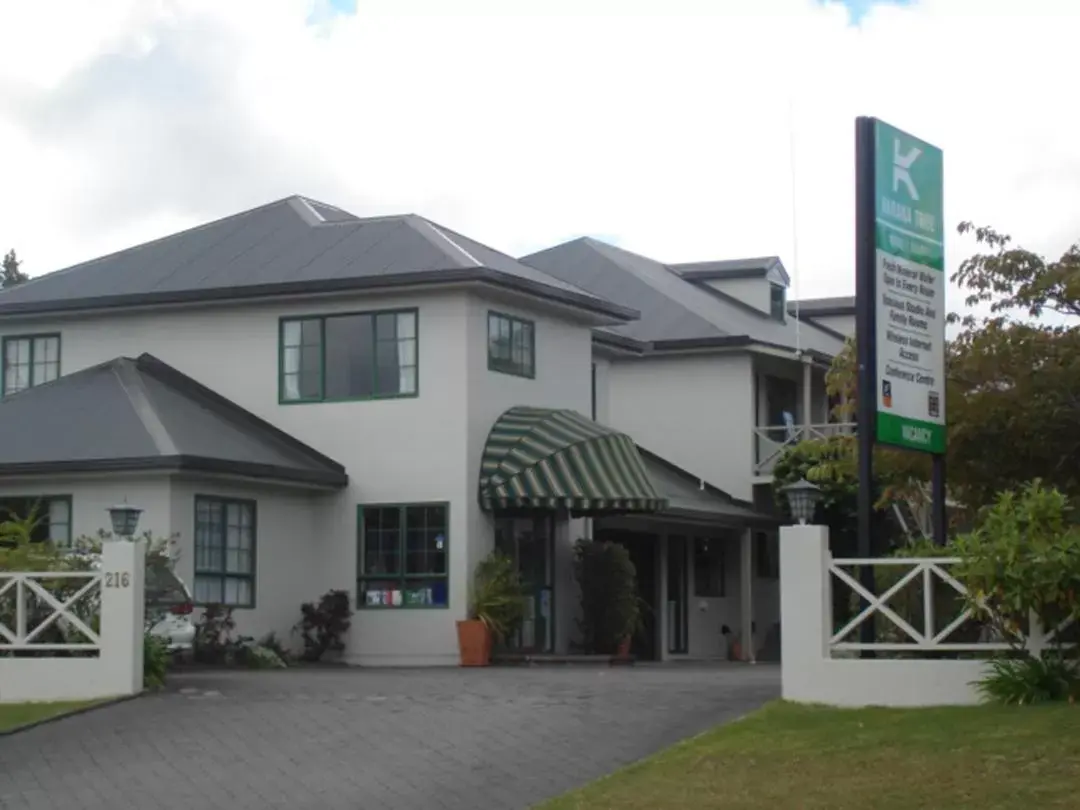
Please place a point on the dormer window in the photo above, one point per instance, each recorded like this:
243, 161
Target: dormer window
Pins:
778, 301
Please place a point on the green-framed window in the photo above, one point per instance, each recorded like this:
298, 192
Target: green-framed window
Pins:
511, 345
403, 552
52, 516
778, 302
225, 541
359, 355
29, 360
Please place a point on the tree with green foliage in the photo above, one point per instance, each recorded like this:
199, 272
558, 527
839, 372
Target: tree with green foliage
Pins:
11, 274
1021, 568
1013, 384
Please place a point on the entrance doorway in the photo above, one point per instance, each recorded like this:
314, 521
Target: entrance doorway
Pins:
530, 543
643, 550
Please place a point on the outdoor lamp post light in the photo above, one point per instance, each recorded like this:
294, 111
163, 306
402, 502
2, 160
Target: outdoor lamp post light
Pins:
802, 497
125, 519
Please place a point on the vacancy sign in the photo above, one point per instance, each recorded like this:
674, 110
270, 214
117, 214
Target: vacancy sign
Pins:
909, 299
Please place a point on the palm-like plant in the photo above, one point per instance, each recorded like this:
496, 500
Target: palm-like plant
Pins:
498, 596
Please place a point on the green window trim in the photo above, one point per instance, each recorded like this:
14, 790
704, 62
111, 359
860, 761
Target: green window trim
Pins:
220, 574
303, 350
511, 345
48, 519
35, 367
430, 590
777, 301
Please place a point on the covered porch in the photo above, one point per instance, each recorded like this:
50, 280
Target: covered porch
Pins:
704, 560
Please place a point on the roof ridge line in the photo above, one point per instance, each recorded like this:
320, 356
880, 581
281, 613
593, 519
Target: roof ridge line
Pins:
458, 252
140, 246
130, 380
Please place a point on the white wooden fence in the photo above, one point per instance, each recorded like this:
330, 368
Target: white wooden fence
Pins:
100, 653
821, 664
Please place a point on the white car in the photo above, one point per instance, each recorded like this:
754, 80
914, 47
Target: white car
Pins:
168, 606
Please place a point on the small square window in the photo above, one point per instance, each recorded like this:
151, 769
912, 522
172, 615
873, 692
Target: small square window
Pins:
511, 345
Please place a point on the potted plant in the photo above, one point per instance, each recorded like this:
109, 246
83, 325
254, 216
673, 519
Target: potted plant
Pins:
496, 609
611, 610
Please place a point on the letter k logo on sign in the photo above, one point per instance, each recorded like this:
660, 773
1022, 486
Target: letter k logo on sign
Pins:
901, 164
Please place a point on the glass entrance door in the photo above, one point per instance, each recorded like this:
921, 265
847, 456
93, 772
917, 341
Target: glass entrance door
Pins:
529, 542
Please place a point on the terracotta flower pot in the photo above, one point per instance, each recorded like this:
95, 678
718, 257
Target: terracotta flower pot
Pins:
474, 643
623, 650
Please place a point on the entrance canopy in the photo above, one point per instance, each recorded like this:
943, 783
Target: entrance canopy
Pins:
542, 458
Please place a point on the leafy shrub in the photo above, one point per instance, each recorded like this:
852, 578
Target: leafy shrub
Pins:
610, 608
1023, 561
214, 635
155, 661
1030, 679
498, 596
1021, 566
323, 624
271, 642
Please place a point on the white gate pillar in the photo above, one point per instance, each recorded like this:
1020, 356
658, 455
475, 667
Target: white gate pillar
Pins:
805, 608
123, 582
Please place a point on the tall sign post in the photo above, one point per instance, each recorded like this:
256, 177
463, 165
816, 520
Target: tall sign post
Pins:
900, 316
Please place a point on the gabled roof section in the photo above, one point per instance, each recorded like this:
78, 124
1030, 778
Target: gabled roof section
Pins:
732, 269
823, 307
141, 414
675, 313
292, 246
626, 279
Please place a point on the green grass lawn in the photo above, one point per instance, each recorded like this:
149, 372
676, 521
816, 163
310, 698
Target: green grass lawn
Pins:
790, 756
19, 714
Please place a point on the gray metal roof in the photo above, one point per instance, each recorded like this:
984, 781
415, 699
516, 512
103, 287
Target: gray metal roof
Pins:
675, 313
691, 498
731, 268
287, 247
605, 271
841, 305
139, 414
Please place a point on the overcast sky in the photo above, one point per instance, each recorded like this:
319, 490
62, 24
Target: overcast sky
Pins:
523, 124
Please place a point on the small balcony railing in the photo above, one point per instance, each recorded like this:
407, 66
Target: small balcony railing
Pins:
770, 441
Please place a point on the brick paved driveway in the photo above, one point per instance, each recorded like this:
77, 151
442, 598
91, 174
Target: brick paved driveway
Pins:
403, 739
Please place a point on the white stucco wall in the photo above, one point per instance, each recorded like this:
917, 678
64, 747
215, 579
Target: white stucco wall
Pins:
696, 411
92, 495
562, 380
409, 450
291, 551
752, 291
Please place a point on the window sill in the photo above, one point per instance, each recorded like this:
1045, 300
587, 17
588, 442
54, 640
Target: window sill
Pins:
509, 373
401, 607
379, 398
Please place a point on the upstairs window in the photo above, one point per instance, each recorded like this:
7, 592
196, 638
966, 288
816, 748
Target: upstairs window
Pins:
778, 302
30, 360
367, 355
511, 345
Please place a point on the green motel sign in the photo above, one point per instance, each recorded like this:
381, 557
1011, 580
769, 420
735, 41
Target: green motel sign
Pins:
909, 291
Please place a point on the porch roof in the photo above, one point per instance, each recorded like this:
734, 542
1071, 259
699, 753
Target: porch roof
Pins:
543, 458
131, 414
689, 498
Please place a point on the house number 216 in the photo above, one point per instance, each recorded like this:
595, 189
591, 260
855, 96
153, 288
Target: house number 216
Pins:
117, 579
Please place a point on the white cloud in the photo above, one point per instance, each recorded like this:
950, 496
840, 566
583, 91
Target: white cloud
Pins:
526, 126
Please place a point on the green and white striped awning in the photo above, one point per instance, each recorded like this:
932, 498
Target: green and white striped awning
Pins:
540, 458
